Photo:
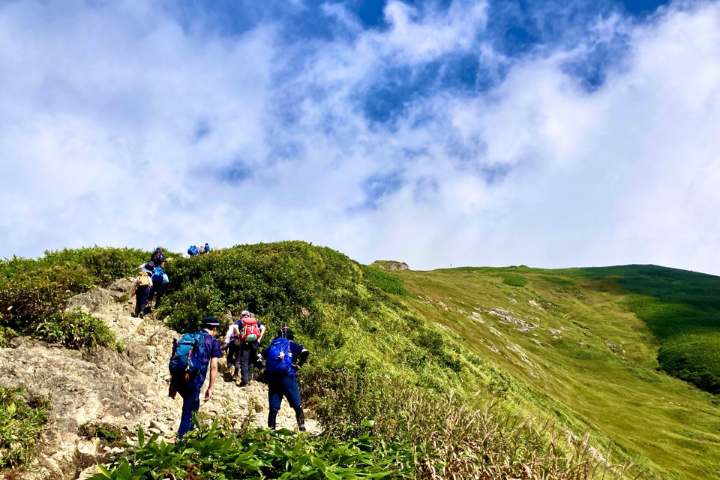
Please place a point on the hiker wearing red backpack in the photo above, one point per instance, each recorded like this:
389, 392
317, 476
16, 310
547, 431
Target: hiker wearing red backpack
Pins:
242, 340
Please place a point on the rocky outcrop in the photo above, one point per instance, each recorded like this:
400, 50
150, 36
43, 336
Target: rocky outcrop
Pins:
390, 265
120, 389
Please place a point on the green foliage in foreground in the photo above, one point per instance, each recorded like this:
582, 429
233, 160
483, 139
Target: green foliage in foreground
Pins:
21, 425
213, 453
682, 309
257, 455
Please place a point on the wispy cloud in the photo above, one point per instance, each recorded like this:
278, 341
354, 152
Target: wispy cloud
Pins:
553, 134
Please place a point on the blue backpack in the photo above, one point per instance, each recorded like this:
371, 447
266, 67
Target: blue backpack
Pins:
207, 248
157, 276
189, 355
193, 250
279, 361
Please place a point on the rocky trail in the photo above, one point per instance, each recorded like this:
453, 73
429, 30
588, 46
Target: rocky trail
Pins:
122, 390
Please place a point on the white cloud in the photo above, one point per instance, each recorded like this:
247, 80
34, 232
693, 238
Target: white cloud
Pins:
117, 125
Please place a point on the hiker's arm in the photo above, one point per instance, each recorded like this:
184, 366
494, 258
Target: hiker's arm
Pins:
262, 333
228, 335
213, 374
303, 358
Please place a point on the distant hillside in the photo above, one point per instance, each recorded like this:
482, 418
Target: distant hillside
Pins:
586, 342
682, 309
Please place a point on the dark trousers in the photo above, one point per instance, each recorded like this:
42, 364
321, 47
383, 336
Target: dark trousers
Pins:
190, 393
232, 355
158, 290
246, 357
286, 386
141, 298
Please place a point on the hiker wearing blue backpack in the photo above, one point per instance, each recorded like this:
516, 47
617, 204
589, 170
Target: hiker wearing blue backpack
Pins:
283, 358
193, 251
192, 355
157, 257
207, 248
159, 280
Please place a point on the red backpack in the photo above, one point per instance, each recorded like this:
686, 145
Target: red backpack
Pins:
249, 330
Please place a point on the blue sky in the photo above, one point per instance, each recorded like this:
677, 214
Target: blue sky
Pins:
547, 133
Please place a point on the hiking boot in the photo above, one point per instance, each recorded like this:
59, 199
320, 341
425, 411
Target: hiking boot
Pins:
302, 428
141, 315
243, 384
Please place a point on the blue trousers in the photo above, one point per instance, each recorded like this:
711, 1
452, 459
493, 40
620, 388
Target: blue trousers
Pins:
190, 393
141, 298
286, 386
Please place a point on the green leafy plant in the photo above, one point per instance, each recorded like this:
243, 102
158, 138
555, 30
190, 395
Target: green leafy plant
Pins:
212, 453
103, 431
22, 422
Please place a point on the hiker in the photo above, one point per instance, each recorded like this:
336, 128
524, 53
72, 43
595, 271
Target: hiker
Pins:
283, 359
242, 341
159, 279
141, 289
191, 357
193, 250
202, 249
148, 267
157, 257
207, 248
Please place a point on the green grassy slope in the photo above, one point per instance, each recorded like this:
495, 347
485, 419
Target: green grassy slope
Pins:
682, 309
586, 357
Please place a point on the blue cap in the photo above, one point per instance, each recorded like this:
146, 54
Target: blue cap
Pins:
211, 322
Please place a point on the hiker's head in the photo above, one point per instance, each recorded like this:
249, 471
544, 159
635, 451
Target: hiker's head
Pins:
211, 324
158, 250
244, 314
285, 332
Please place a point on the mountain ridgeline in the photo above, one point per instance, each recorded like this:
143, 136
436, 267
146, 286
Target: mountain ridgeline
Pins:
455, 373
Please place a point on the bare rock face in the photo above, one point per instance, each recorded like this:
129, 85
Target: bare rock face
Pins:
103, 387
121, 389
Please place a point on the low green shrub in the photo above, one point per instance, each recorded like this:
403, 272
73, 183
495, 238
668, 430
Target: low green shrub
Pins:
514, 280
34, 293
78, 269
103, 431
22, 422
38, 309
75, 329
